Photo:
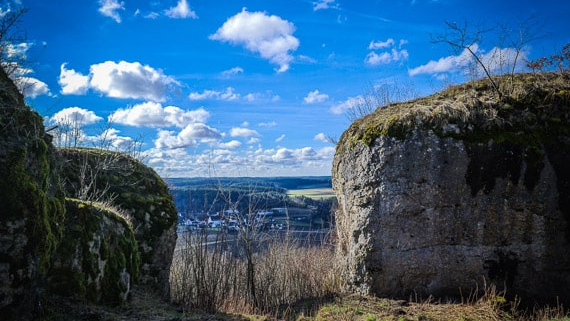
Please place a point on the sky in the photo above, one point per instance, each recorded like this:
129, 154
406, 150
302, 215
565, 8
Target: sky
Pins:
249, 87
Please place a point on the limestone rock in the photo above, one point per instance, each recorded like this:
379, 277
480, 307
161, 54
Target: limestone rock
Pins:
98, 259
426, 211
136, 189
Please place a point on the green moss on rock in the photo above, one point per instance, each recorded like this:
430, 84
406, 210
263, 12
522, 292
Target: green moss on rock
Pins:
31, 210
536, 111
98, 259
137, 191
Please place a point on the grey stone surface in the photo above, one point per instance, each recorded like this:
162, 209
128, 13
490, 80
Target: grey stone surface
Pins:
437, 216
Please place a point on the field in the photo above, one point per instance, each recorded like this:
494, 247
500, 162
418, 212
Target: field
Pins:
314, 193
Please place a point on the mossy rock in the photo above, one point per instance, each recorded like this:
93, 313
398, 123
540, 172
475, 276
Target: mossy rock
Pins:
98, 260
535, 111
138, 191
31, 204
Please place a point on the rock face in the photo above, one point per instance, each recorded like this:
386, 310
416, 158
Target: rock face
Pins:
31, 205
98, 259
138, 191
439, 200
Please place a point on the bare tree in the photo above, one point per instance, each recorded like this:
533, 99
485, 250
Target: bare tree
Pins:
505, 56
10, 37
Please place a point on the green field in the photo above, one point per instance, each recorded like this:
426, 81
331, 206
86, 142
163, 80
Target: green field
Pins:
315, 193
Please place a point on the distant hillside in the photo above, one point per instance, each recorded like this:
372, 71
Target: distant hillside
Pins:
302, 182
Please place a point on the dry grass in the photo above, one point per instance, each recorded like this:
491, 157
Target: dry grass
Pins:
536, 101
213, 275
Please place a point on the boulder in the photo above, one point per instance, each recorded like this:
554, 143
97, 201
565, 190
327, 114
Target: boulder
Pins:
98, 259
31, 205
455, 192
127, 184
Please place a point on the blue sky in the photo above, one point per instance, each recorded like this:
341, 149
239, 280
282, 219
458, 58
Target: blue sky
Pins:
246, 88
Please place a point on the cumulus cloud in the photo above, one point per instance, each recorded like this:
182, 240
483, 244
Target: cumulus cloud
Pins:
187, 137
72, 82
110, 8
323, 4
231, 144
445, 64
243, 132
287, 156
76, 116
130, 80
151, 114
268, 35
180, 11
32, 87
347, 105
396, 54
321, 137
111, 136
315, 97
227, 95
232, 162
496, 60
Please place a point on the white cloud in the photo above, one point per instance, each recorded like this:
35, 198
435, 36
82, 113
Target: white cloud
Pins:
109, 8
130, 80
381, 44
394, 55
72, 82
315, 97
323, 4
243, 132
17, 51
231, 72
231, 144
445, 64
187, 137
268, 124
180, 11
286, 156
270, 36
75, 116
227, 95
252, 162
151, 114
280, 138
348, 104
32, 87
378, 59
111, 136
321, 137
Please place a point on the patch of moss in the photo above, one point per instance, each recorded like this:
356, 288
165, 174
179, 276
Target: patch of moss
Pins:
536, 109
90, 241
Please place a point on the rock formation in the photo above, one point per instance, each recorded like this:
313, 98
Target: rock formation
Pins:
449, 193
98, 259
135, 189
31, 205
55, 235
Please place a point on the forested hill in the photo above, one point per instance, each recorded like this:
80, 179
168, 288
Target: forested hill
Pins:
301, 182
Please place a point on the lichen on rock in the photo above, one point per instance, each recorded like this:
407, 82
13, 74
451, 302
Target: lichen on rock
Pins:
456, 190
